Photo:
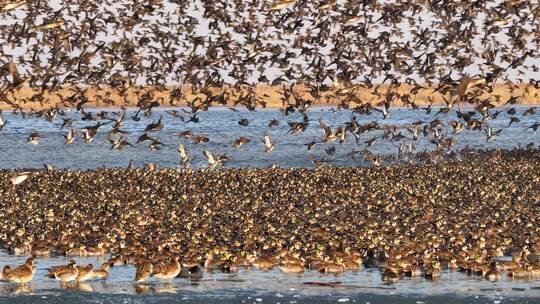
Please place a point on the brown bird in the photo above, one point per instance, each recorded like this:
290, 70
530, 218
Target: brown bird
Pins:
144, 271
67, 274
22, 274
101, 273
167, 270
84, 273
240, 141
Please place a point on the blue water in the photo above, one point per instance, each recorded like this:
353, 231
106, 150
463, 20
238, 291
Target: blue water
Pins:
222, 128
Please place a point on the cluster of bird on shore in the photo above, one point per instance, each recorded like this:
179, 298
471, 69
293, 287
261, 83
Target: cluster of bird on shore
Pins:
332, 48
410, 220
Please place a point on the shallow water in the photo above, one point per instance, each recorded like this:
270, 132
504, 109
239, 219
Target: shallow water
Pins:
248, 285
221, 125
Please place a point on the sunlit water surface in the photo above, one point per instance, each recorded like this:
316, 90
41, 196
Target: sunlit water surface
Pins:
222, 128
252, 286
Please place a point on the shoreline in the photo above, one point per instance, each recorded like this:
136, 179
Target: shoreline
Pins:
108, 98
387, 161
244, 109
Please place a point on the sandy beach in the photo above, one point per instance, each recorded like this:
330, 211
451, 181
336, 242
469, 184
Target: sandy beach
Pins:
263, 96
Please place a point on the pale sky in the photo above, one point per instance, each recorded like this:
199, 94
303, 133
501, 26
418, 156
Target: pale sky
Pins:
238, 42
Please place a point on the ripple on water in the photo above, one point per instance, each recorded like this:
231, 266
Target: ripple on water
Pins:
221, 125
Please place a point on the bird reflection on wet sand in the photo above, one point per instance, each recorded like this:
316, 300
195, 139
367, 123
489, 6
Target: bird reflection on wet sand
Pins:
17, 289
78, 286
154, 289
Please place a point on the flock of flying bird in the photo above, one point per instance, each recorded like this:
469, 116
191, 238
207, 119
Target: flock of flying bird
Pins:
332, 48
442, 134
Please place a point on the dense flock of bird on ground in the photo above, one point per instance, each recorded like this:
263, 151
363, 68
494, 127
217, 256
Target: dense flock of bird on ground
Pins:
409, 220
414, 219
332, 48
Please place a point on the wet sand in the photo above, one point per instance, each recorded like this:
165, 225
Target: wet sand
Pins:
248, 298
253, 286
